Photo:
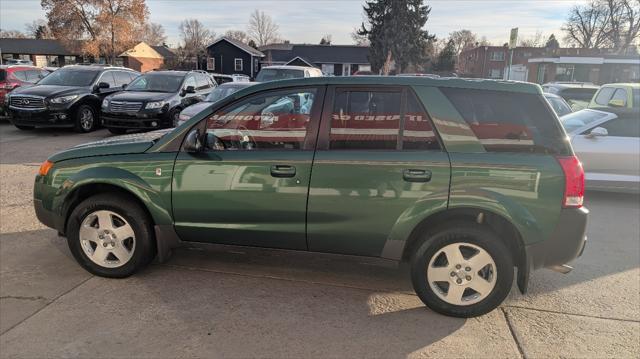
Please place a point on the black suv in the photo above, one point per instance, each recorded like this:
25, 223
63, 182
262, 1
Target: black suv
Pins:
154, 100
68, 97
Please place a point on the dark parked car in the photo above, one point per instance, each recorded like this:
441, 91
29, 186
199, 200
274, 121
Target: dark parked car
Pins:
577, 94
154, 100
14, 76
216, 95
68, 97
463, 179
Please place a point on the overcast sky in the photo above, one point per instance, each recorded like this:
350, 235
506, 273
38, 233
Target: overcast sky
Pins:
307, 21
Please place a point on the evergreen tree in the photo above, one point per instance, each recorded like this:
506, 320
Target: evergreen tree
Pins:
447, 58
396, 32
552, 42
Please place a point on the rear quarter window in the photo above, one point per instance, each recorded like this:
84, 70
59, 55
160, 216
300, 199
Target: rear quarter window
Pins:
509, 122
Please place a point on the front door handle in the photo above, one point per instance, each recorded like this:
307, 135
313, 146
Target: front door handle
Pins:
282, 171
416, 175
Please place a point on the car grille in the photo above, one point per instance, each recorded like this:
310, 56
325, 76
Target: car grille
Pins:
123, 106
31, 103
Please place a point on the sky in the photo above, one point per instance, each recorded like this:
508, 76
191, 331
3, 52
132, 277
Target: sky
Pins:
308, 21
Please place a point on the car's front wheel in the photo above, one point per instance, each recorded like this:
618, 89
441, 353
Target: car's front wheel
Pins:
462, 270
110, 236
85, 119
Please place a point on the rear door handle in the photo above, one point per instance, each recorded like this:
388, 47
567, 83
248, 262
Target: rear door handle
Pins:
416, 175
283, 171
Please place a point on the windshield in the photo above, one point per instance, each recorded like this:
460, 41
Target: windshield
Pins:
576, 120
156, 83
278, 74
221, 92
70, 77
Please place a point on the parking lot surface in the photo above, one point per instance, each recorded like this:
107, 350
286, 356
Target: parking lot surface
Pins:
216, 301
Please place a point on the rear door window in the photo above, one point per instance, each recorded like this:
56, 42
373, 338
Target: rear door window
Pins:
376, 120
509, 122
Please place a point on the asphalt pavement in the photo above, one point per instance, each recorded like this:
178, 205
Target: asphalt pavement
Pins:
218, 301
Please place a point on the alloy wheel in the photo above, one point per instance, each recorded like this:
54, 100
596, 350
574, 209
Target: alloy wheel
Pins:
107, 239
86, 119
462, 273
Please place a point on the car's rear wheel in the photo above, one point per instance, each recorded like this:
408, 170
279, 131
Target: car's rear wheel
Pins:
110, 236
85, 119
24, 128
117, 131
462, 270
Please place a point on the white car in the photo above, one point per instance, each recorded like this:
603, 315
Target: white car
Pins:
608, 145
273, 73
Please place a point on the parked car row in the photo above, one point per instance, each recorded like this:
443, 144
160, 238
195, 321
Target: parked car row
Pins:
14, 76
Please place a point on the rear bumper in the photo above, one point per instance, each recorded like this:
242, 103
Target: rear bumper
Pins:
566, 243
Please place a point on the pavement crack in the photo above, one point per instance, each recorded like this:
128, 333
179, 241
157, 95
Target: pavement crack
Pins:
572, 314
46, 305
514, 335
39, 297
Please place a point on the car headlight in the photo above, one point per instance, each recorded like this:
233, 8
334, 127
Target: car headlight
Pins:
105, 103
63, 99
154, 105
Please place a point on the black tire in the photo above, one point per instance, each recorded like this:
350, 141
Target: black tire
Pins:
145, 245
24, 128
174, 117
82, 125
117, 130
468, 233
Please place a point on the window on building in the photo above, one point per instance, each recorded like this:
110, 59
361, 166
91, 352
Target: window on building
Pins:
211, 64
237, 65
497, 56
276, 120
370, 120
509, 122
70, 60
495, 73
327, 69
564, 72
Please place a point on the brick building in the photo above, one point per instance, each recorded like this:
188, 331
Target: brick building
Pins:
541, 65
144, 57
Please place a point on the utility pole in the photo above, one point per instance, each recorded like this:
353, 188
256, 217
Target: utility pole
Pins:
513, 41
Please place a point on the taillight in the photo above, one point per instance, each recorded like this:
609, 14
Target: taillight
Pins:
573, 181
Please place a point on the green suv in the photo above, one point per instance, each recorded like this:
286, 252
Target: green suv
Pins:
463, 179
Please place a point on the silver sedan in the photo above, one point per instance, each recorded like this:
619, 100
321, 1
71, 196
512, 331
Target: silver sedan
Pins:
608, 144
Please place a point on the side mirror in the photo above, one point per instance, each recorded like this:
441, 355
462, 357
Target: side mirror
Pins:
101, 86
124, 86
192, 142
213, 142
617, 103
598, 132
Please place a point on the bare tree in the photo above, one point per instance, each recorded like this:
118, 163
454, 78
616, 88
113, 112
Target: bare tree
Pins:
153, 34
536, 40
326, 40
195, 37
585, 26
262, 29
12, 34
622, 27
360, 40
462, 40
38, 29
237, 35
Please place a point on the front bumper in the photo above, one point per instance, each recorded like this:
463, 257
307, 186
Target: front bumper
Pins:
143, 120
41, 118
566, 243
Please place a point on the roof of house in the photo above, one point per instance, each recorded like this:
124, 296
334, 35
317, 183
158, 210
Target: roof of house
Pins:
164, 51
350, 54
240, 45
35, 47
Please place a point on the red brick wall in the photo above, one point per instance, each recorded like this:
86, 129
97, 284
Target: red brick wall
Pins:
143, 64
